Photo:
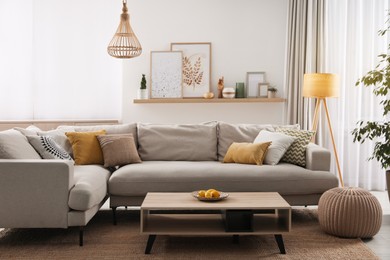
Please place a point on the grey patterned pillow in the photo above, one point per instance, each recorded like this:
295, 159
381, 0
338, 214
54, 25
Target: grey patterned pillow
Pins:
296, 153
48, 148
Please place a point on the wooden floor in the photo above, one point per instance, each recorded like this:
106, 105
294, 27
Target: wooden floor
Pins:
380, 243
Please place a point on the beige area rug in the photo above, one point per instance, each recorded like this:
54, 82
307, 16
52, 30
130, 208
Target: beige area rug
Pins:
102, 240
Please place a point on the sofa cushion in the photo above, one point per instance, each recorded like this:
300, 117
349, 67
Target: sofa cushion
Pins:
48, 148
296, 153
246, 153
177, 142
118, 150
57, 135
90, 186
178, 176
241, 133
279, 145
14, 145
86, 147
110, 129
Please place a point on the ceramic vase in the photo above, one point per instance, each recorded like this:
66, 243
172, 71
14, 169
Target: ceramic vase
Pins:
142, 94
271, 94
229, 93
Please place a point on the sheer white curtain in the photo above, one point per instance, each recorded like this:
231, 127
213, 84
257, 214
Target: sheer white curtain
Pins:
54, 60
352, 45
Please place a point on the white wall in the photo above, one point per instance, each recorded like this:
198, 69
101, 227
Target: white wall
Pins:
246, 35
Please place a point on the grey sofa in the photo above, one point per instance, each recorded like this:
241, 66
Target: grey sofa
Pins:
184, 158
176, 158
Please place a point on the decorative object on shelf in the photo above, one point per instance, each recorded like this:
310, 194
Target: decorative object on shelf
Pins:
252, 83
272, 92
240, 90
196, 67
321, 86
143, 92
166, 74
349, 212
263, 90
124, 44
229, 93
220, 87
208, 95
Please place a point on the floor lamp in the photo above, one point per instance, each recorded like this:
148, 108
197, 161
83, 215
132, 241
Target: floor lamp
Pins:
321, 86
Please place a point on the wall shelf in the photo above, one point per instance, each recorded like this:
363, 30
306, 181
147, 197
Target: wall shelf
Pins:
204, 100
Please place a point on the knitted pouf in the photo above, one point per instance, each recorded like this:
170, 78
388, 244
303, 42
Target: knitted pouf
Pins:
349, 212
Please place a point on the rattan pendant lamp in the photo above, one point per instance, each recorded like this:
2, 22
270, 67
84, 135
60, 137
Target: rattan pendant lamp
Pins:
124, 44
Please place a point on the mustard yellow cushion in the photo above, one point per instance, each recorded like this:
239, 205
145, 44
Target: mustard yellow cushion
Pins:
246, 153
86, 147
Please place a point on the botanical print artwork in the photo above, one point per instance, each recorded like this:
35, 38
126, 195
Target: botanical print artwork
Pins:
192, 73
166, 74
196, 67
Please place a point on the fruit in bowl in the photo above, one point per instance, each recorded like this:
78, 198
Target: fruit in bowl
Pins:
211, 193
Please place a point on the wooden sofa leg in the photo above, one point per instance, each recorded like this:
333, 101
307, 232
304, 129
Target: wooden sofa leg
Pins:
81, 236
113, 215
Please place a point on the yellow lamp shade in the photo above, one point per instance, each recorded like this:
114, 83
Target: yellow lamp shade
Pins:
321, 85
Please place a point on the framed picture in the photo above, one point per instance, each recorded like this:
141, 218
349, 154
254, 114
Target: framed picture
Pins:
196, 67
263, 90
166, 74
252, 83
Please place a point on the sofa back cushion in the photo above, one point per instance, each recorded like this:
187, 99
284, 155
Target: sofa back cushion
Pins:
110, 129
242, 133
14, 145
177, 142
238, 133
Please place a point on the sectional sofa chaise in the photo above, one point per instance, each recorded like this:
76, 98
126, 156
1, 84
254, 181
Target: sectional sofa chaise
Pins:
37, 193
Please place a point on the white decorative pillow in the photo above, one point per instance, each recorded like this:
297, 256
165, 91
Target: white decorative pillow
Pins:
48, 148
58, 135
279, 145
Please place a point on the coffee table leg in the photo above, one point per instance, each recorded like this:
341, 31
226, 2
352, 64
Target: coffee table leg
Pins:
279, 240
236, 239
149, 244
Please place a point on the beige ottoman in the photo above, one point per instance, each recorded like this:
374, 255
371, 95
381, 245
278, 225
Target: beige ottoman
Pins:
349, 212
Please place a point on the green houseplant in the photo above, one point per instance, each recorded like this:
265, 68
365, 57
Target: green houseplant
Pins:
378, 131
143, 93
272, 92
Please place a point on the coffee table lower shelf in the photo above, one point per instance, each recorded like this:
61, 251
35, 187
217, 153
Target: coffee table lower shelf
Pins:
211, 225
243, 213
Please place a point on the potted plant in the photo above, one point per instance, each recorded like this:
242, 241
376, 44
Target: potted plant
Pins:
143, 92
272, 92
378, 131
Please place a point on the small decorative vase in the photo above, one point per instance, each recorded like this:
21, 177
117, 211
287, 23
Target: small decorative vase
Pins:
229, 93
271, 94
240, 90
142, 94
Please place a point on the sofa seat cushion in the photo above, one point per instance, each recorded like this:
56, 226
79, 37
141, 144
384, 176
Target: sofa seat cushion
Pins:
90, 186
179, 176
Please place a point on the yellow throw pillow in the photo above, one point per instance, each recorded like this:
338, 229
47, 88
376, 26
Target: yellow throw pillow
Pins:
86, 147
246, 153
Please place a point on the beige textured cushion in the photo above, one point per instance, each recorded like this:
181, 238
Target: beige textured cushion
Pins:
118, 150
177, 142
14, 145
110, 129
246, 153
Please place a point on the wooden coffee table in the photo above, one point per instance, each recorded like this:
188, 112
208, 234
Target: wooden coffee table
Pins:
242, 213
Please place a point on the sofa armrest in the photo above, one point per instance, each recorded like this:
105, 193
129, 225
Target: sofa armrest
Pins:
317, 158
34, 193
